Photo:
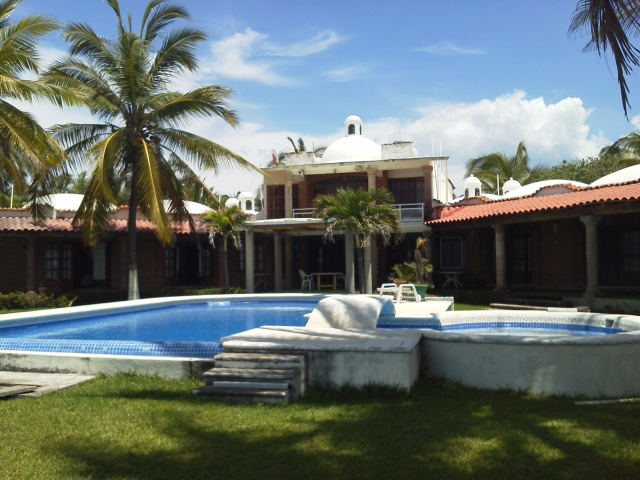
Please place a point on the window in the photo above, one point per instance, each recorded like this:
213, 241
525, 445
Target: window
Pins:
329, 186
466, 193
205, 268
51, 261
258, 258
249, 206
453, 253
619, 252
352, 129
407, 190
67, 269
169, 262
275, 202
477, 192
519, 257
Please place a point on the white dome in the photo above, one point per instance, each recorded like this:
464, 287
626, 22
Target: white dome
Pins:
532, 188
354, 148
471, 185
629, 174
509, 185
232, 202
194, 208
246, 196
63, 201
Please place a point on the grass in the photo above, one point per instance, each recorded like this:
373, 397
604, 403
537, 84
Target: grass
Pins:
147, 428
466, 306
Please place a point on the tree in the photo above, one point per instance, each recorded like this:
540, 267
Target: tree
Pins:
585, 170
609, 23
490, 166
364, 213
126, 83
225, 222
625, 150
26, 149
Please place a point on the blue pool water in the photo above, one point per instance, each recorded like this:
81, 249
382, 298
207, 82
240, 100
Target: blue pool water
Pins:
192, 330
516, 328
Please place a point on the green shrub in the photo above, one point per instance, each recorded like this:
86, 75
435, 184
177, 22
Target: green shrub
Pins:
22, 301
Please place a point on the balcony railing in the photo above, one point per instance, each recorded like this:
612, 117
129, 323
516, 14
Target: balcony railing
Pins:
409, 212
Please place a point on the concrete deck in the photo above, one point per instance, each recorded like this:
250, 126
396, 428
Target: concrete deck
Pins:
337, 356
405, 309
45, 382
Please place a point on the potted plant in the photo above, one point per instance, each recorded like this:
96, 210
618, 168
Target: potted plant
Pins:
423, 268
403, 273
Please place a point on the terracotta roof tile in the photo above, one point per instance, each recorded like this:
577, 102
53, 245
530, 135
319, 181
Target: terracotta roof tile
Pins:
613, 193
25, 224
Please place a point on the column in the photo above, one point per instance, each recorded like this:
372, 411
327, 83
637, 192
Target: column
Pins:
373, 249
31, 263
277, 261
248, 262
501, 258
288, 262
288, 196
367, 269
349, 280
591, 237
428, 189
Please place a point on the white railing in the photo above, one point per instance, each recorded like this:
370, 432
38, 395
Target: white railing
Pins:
410, 212
303, 213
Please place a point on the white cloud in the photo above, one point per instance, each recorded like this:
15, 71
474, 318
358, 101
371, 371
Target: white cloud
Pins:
347, 74
449, 49
636, 121
245, 56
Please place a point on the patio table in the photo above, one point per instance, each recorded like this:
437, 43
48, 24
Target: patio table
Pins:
319, 276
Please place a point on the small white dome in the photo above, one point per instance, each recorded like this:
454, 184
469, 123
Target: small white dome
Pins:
354, 148
232, 202
509, 185
472, 186
246, 195
629, 174
353, 125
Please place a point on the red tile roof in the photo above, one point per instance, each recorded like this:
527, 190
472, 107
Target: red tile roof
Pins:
613, 193
25, 224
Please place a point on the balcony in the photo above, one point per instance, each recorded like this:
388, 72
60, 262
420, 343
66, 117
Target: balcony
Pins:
409, 212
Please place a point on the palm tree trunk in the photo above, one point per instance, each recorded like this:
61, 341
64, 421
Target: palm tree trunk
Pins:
134, 291
361, 267
226, 266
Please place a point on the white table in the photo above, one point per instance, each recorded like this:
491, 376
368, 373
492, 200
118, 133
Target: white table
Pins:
319, 276
452, 277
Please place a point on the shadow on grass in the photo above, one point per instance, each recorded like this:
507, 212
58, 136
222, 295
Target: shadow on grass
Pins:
438, 431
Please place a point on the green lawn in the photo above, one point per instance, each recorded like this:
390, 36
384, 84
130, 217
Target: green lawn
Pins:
148, 428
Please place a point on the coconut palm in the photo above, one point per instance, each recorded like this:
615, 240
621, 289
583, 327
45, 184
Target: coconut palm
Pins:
126, 82
26, 149
364, 213
610, 23
225, 222
489, 166
626, 150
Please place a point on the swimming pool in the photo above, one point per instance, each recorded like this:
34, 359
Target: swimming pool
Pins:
519, 329
186, 330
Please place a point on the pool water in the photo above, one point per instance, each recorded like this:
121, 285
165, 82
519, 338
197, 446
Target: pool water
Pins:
518, 328
191, 330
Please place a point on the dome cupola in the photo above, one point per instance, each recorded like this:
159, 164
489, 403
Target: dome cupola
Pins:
510, 185
247, 201
472, 187
353, 125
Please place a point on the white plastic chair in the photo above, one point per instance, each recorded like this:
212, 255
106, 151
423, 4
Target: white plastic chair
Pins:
306, 280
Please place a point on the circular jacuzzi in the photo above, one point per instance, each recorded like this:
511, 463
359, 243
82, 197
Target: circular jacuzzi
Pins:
565, 353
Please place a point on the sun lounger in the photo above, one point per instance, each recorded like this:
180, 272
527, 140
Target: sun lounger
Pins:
404, 290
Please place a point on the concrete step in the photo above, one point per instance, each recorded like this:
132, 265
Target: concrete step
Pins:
260, 361
257, 375
244, 395
254, 385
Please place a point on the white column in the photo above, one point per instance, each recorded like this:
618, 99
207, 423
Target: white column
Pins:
288, 196
368, 287
277, 261
248, 261
371, 252
349, 280
371, 178
591, 237
501, 258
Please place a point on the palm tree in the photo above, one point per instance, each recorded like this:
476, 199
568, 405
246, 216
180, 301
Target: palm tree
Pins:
225, 222
626, 149
609, 23
126, 83
297, 148
26, 149
492, 165
363, 213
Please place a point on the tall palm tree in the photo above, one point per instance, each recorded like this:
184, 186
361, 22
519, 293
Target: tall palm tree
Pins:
489, 166
364, 213
225, 222
26, 149
610, 23
626, 149
126, 82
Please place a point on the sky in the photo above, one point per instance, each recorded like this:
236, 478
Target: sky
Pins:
476, 77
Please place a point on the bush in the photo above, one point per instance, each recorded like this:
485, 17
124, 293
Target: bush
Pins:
22, 301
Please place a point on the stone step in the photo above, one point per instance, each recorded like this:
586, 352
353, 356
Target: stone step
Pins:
254, 385
260, 361
244, 395
257, 375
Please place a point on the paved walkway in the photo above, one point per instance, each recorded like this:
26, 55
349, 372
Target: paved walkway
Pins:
422, 308
44, 382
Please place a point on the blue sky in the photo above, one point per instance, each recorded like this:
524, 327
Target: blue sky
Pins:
476, 76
